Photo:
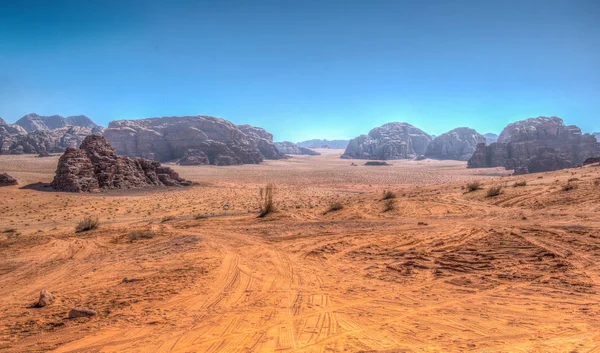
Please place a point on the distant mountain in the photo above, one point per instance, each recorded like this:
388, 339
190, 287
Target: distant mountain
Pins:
2, 122
490, 138
335, 144
34, 122
288, 147
458, 144
389, 141
597, 134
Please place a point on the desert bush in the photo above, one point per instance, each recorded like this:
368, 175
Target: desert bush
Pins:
141, 234
9, 230
597, 182
390, 205
494, 191
573, 179
569, 186
473, 186
336, 206
167, 219
200, 216
387, 195
266, 200
519, 183
88, 223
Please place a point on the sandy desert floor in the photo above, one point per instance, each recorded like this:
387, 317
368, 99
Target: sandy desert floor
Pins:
445, 270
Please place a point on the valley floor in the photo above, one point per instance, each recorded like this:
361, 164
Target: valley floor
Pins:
443, 270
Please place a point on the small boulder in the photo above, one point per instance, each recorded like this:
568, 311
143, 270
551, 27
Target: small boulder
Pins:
7, 180
376, 163
81, 312
46, 298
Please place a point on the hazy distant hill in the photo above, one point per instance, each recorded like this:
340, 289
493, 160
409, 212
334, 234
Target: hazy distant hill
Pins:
597, 134
34, 122
490, 138
336, 144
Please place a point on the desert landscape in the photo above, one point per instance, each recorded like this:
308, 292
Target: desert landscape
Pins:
410, 257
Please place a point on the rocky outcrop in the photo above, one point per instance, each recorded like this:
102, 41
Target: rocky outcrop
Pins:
52, 141
591, 160
390, 141
7, 180
96, 166
458, 144
81, 312
597, 135
537, 145
170, 138
490, 138
263, 140
34, 122
3, 122
46, 298
335, 144
10, 136
288, 147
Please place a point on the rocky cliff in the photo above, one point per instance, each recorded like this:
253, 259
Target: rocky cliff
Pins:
3, 122
34, 122
15, 140
458, 144
335, 144
96, 166
171, 138
390, 141
288, 147
263, 140
536, 145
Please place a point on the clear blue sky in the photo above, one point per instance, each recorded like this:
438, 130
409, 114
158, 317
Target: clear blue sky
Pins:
305, 69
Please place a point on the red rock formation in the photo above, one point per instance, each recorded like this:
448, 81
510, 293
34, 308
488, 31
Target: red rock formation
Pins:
96, 166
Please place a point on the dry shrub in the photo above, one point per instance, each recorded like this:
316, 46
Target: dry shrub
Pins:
597, 182
266, 200
200, 216
387, 195
569, 186
473, 186
141, 234
519, 183
88, 223
494, 191
167, 219
336, 206
390, 205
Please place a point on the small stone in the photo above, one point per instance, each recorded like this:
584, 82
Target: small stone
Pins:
81, 312
46, 298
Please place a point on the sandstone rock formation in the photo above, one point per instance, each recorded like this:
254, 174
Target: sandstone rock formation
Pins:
390, 141
35, 122
10, 136
288, 147
96, 166
81, 312
458, 144
170, 138
263, 140
537, 145
490, 138
46, 298
7, 180
335, 144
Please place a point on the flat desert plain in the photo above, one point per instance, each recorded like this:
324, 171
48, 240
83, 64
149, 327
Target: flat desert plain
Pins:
436, 269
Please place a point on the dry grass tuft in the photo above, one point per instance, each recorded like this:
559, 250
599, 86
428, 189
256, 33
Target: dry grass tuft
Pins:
388, 195
519, 183
141, 234
266, 200
569, 186
86, 224
200, 216
336, 206
473, 186
494, 191
167, 219
390, 205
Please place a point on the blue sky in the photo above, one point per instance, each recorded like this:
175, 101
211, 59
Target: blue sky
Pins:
305, 69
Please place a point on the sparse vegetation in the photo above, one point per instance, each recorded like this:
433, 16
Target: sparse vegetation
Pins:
519, 183
266, 200
9, 230
200, 216
167, 219
473, 186
87, 224
388, 194
390, 205
494, 191
141, 234
336, 206
597, 182
569, 186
